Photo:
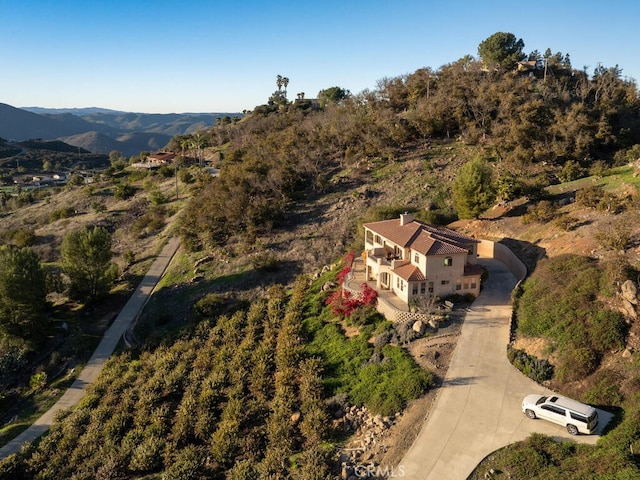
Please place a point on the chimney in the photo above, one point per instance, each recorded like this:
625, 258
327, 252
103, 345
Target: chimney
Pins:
405, 218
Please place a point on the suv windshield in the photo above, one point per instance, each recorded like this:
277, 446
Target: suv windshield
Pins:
541, 400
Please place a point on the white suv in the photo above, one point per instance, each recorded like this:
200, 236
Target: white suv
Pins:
576, 416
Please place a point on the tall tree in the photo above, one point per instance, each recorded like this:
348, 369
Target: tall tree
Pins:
473, 190
86, 259
22, 294
332, 95
501, 50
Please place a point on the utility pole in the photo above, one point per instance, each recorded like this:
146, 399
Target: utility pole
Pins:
175, 172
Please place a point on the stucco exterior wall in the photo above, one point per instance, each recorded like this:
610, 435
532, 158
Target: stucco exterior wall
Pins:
489, 249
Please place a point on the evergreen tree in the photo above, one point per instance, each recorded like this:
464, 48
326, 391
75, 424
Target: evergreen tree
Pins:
22, 294
86, 259
473, 190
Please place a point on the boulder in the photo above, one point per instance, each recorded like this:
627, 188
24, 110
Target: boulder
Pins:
329, 286
418, 327
630, 292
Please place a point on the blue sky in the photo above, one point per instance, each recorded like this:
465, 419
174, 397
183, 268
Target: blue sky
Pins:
223, 56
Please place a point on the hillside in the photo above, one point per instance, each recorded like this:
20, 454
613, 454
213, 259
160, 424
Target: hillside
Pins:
128, 144
91, 128
17, 124
240, 369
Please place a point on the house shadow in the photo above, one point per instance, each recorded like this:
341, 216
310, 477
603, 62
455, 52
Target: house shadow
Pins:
529, 253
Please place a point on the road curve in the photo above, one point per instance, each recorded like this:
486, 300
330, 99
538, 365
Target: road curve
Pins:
103, 351
477, 410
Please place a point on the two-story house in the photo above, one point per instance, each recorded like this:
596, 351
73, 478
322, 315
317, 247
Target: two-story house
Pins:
413, 259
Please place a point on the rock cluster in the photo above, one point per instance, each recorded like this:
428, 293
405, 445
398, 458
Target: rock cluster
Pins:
630, 300
367, 433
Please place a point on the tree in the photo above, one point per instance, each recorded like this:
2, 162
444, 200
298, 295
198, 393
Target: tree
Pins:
332, 95
473, 190
86, 259
501, 50
22, 294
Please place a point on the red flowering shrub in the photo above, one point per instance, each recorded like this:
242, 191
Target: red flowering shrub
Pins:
343, 302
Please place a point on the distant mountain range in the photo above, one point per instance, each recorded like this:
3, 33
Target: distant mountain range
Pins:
100, 130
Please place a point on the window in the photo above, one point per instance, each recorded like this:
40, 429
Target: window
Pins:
416, 258
458, 285
430, 287
415, 289
578, 417
448, 261
377, 240
423, 288
554, 409
444, 282
473, 285
369, 236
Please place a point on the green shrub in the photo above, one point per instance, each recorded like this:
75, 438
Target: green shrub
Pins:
64, 212
264, 260
616, 235
604, 389
122, 191
571, 170
543, 211
209, 306
98, 207
576, 363
538, 370
38, 381
21, 237
137, 175
156, 197
189, 463
385, 387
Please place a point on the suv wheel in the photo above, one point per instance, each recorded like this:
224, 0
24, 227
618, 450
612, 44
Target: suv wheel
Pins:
531, 414
572, 429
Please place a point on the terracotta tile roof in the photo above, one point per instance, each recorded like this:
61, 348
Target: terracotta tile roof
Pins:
392, 231
421, 237
162, 156
410, 273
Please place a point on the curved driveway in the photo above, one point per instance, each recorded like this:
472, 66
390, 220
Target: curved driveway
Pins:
103, 351
477, 410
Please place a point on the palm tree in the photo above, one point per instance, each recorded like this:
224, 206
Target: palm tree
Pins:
198, 141
279, 82
285, 82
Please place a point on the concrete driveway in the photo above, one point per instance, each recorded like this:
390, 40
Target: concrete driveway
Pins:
477, 410
103, 351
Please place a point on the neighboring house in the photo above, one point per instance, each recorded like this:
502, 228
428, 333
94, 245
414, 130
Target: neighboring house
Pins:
413, 259
155, 160
161, 158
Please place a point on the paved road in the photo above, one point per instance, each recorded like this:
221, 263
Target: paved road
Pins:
477, 410
104, 350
